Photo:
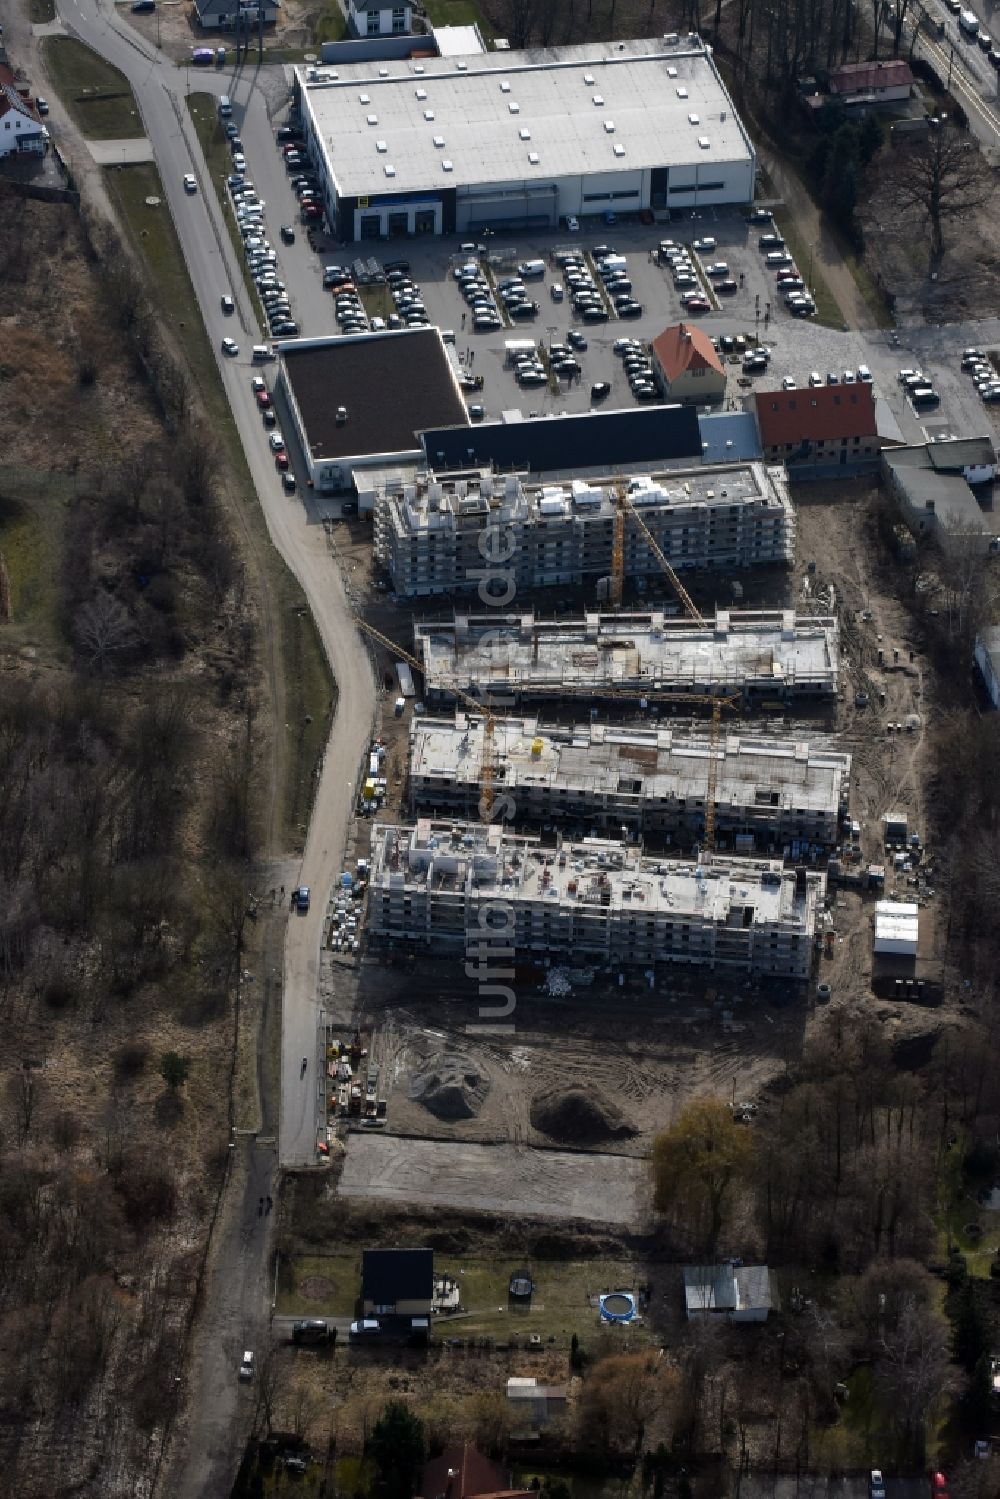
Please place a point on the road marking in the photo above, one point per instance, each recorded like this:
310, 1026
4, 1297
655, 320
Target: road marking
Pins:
954, 64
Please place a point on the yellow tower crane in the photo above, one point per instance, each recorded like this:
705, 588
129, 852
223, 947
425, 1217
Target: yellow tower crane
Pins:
623, 507
487, 777
621, 694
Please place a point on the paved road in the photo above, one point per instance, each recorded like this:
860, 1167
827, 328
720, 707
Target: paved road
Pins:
295, 526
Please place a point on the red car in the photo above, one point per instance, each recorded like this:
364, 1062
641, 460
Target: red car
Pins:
263, 399
281, 462
698, 304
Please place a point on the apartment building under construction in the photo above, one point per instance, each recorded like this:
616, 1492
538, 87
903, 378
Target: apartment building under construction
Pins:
482, 890
769, 793
765, 655
443, 535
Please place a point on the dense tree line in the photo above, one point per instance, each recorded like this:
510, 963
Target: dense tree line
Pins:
127, 796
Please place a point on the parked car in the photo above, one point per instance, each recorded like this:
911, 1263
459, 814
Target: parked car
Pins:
705, 245
247, 1366
310, 1330
599, 390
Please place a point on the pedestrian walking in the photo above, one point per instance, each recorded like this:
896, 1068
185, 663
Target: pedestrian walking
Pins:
463, 319
270, 1202
260, 1208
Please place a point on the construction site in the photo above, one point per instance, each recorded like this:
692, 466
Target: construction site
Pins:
438, 535
788, 796
472, 886
664, 825
774, 655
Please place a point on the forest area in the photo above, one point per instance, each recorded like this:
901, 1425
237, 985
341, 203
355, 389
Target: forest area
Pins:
130, 721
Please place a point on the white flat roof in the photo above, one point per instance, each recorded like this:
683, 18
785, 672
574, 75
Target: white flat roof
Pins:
450, 856
458, 41
642, 650
595, 756
897, 925
604, 108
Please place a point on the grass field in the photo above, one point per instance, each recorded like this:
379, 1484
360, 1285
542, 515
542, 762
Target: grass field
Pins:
331, 26
309, 692
458, 13
218, 158
311, 1285
31, 528
317, 1285
97, 96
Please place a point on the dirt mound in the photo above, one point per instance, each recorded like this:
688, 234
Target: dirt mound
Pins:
452, 1086
574, 1117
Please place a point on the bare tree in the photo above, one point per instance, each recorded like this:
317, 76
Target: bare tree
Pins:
104, 629
942, 176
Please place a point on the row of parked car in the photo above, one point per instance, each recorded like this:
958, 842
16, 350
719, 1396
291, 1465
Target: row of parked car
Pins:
265, 405
479, 296
305, 184
983, 374
406, 296
638, 367
261, 257
789, 281
679, 260
919, 388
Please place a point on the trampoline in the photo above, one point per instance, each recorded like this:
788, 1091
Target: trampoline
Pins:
618, 1306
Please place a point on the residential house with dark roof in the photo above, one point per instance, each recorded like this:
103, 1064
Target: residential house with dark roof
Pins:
945, 491
20, 127
462, 1472
819, 432
397, 1282
740, 1293
689, 369
871, 84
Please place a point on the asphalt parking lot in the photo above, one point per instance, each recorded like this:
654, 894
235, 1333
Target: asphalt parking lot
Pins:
798, 345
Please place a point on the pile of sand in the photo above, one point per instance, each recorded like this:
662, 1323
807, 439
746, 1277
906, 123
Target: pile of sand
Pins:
575, 1117
451, 1086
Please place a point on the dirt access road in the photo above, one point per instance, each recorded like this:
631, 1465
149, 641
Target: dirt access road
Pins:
508, 1179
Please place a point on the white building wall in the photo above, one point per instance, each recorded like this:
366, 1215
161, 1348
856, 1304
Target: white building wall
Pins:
985, 662
16, 128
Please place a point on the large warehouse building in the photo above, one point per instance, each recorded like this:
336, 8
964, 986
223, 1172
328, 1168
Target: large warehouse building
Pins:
769, 793
432, 535
444, 885
774, 655
504, 139
359, 403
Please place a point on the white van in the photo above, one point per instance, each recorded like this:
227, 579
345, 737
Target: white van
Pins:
261, 354
969, 22
531, 268
225, 107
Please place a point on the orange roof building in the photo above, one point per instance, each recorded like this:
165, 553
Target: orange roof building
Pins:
688, 367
